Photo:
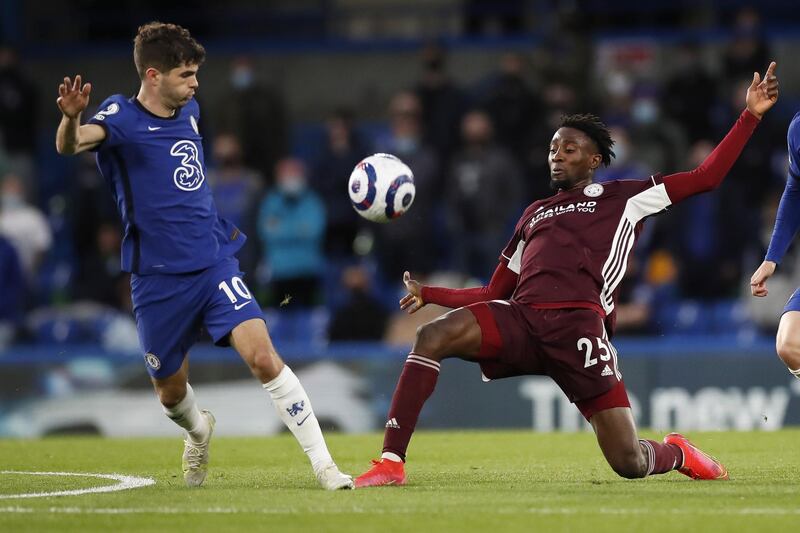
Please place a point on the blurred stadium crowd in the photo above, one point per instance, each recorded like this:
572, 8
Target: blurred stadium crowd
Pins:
478, 150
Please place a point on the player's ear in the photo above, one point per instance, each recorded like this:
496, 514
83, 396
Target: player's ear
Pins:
594, 163
151, 75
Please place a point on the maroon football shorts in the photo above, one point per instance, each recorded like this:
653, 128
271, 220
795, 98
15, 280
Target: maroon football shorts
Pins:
569, 345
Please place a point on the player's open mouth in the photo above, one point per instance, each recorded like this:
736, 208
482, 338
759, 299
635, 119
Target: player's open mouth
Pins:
556, 172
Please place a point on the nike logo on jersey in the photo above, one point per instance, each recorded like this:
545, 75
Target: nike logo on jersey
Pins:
237, 307
153, 128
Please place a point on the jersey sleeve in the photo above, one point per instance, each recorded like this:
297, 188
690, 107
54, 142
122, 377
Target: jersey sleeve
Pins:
111, 116
787, 220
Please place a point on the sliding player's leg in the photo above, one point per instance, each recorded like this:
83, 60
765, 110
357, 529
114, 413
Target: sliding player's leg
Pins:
177, 398
631, 457
455, 334
787, 341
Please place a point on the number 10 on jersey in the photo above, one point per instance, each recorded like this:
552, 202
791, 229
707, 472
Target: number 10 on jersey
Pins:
240, 288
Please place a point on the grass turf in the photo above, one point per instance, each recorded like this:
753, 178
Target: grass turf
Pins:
457, 481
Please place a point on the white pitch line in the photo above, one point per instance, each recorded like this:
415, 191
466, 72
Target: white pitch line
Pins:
125, 483
756, 511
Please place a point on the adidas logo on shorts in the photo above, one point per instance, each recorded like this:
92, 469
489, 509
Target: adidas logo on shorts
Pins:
606, 371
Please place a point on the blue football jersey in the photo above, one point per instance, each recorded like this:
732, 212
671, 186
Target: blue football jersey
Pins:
157, 174
793, 141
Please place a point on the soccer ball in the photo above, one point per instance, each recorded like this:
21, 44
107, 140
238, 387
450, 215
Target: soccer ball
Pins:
381, 188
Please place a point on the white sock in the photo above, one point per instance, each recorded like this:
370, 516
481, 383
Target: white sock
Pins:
795, 373
293, 406
391, 456
187, 415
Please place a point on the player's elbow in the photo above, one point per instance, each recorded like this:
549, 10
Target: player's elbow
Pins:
64, 149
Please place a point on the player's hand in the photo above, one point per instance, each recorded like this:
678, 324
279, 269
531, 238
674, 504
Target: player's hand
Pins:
412, 302
72, 97
762, 93
758, 283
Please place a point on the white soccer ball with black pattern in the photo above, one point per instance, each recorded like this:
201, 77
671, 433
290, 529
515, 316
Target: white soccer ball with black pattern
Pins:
381, 188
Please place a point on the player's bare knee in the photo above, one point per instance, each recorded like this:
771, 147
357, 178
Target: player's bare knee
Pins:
170, 396
265, 364
788, 348
630, 466
429, 338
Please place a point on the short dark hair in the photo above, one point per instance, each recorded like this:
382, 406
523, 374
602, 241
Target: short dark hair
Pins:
165, 47
594, 128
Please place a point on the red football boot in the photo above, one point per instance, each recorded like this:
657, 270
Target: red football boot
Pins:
696, 463
383, 472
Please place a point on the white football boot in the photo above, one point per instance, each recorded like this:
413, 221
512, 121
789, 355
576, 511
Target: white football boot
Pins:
332, 479
195, 456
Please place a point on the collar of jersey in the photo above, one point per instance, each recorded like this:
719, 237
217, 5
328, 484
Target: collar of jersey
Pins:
138, 104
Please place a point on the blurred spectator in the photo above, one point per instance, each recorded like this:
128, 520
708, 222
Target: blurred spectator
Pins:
659, 142
691, 93
707, 239
752, 176
23, 224
625, 165
90, 205
412, 242
484, 197
291, 225
12, 288
256, 114
748, 52
18, 113
99, 276
330, 173
558, 99
495, 17
442, 101
512, 105
237, 190
362, 317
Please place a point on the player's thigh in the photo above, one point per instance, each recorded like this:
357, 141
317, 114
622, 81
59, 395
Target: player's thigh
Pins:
168, 320
616, 434
787, 340
229, 304
253, 343
454, 334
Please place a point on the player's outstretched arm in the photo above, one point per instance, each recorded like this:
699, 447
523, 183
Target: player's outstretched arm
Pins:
761, 96
71, 137
500, 287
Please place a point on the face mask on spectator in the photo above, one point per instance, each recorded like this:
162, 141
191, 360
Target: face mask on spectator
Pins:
242, 78
11, 201
645, 111
292, 185
405, 145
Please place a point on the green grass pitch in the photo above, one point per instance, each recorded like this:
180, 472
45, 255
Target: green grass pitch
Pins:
457, 481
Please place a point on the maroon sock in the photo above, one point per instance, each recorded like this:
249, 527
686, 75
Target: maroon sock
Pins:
661, 457
415, 385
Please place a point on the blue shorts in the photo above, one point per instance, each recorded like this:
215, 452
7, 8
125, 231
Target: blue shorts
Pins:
172, 309
794, 302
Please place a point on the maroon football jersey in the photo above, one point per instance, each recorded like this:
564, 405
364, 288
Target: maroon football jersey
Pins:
574, 246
